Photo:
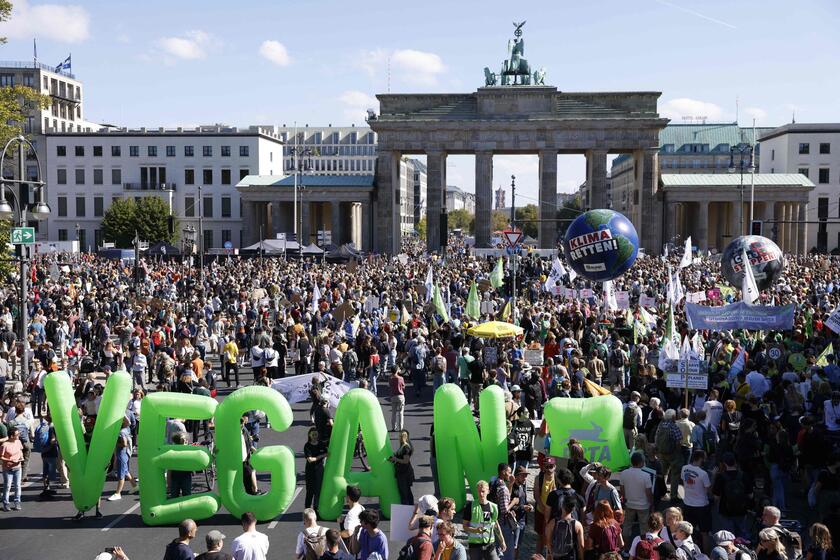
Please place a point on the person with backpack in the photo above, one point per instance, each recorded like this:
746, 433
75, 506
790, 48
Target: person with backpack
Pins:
687, 549
604, 533
420, 546
312, 540
732, 492
481, 524
790, 541
599, 488
632, 419
704, 436
334, 551
563, 491
618, 366
47, 445
727, 549
667, 443
697, 488
644, 547
564, 534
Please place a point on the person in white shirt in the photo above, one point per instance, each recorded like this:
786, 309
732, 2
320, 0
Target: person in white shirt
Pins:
311, 531
250, 545
636, 486
350, 523
832, 412
697, 486
713, 409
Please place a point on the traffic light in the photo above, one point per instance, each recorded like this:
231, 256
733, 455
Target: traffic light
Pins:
756, 227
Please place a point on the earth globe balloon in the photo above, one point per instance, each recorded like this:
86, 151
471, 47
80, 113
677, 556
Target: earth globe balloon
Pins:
765, 257
601, 244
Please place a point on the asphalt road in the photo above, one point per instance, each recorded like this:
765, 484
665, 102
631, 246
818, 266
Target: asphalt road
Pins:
46, 530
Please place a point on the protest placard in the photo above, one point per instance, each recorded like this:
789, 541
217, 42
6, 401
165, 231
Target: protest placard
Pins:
622, 299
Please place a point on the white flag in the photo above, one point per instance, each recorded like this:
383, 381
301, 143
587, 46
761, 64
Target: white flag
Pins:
609, 296
685, 349
749, 289
316, 296
686, 258
697, 346
558, 271
430, 285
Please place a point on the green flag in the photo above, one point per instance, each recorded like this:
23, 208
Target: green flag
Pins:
473, 306
440, 308
498, 275
671, 328
822, 361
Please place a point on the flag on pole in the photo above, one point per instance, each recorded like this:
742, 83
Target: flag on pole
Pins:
63, 65
749, 289
316, 296
558, 271
498, 274
609, 296
429, 284
507, 312
697, 346
404, 315
686, 258
671, 332
648, 318
822, 360
440, 308
738, 365
473, 305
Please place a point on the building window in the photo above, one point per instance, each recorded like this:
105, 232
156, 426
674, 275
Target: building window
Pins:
208, 239
225, 151
823, 176
98, 206
134, 151
80, 207
151, 151
79, 151
97, 177
82, 239
62, 235
226, 176
803, 171
189, 151
225, 207
822, 208
80, 176
189, 176
62, 206
243, 151
170, 151
61, 176
116, 151
825, 148
244, 173
804, 148
7, 80
97, 151
226, 238
61, 151
773, 154
116, 176
207, 151
207, 207
207, 177
189, 207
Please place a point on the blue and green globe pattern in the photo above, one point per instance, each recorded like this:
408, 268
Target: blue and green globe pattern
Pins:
601, 244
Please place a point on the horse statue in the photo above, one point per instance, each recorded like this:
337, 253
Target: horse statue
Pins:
539, 77
489, 77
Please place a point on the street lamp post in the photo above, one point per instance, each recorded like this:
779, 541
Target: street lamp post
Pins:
301, 161
39, 210
743, 150
513, 253
189, 239
200, 236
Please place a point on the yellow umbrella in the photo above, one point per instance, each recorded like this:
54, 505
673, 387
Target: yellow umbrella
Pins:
495, 329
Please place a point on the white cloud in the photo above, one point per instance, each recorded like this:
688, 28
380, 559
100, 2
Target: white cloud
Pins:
66, 23
356, 103
275, 51
676, 109
760, 115
407, 65
192, 46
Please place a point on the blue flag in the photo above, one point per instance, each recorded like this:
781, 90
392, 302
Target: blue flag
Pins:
63, 65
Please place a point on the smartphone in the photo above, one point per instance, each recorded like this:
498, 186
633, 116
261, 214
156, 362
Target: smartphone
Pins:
109, 550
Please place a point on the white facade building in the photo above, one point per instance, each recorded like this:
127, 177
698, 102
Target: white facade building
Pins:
458, 199
337, 150
195, 170
812, 149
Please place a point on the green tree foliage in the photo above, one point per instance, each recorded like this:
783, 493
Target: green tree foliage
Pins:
526, 219
463, 220
501, 221
5, 14
149, 218
421, 228
570, 210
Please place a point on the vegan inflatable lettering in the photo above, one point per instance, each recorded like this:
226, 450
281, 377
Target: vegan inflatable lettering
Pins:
596, 422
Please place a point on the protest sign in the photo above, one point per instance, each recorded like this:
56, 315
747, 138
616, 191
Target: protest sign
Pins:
586, 293
400, 516
534, 356
647, 301
558, 290
696, 297
622, 299
713, 294
296, 389
695, 381
491, 355
833, 321
740, 315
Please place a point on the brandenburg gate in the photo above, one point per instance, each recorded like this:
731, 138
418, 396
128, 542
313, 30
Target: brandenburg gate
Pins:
514, 113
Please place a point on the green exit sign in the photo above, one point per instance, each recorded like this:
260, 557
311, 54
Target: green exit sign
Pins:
23, 236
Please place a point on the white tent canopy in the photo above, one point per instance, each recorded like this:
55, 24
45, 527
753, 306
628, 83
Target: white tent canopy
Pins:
272, 246
312, 249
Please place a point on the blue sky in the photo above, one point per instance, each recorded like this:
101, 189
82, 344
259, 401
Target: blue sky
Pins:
319, 62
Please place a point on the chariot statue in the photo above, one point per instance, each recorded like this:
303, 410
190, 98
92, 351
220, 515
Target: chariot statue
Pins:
515, 69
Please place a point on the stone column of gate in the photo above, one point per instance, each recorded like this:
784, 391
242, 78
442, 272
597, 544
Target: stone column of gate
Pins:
386, 233
435, 185
548, 199
703, 225
366, 226
249, 217
275, 220
650, 227
483, 197
335, 214
790, 234
802, 233
769, 218
597, 177
304, 223
737, 213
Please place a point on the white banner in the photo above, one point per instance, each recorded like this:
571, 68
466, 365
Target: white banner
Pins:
696, 297
677, 381
558, 290
833, 321
534, 356
571, 293
622, 299
296, 388
647, 301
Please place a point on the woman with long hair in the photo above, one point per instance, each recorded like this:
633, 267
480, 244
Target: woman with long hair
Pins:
821, 546
604, 533
673, 515
577, 460
769, 546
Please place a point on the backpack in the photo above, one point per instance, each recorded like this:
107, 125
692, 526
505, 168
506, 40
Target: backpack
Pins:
693, 554
792, 541
23, 428
617, 358
42, 437
629, 418
315, 544
646, 549
349, 361
734, 495
663, 440
607, 539
563, 540
411, 550
708, 440
742, 550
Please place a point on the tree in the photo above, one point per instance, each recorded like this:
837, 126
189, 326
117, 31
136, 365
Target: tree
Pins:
5, 14
463, 220
501, 221
526, 219
148, 218
421, 228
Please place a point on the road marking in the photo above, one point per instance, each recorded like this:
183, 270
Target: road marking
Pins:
120, 518
273, 523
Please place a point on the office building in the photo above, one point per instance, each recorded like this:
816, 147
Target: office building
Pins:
458, 199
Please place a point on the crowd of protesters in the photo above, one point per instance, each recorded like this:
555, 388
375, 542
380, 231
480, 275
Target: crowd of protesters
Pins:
741, 468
